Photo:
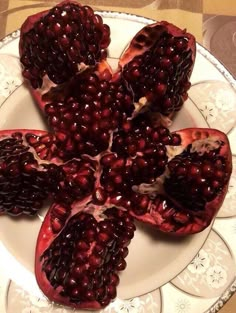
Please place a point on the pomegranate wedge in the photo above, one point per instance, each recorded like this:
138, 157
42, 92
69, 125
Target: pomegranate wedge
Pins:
158, 64
30, 172
192, 189
62, 41
77, 265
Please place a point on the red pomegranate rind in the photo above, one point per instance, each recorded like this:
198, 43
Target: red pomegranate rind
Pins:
75, 37
77, 280
168, 213
158, 64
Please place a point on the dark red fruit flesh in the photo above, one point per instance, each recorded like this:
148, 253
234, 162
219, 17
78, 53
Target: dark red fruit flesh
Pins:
85, 118
30, 172
59, 42
158, 64
189, 195
22, 179
78, 265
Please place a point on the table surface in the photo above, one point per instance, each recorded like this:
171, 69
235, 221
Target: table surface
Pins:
208, 20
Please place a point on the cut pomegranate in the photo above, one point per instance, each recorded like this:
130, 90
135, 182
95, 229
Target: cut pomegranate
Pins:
60, 42
78, 265
187, 196
158, 64
108, 159
84, 115
30, 171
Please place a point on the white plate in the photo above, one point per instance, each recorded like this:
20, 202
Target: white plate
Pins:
159, 268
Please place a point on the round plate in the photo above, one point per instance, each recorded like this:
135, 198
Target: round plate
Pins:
159, 267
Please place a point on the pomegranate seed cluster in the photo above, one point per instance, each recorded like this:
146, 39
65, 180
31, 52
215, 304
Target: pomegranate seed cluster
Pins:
162, 73
21, 186
70, 181
27, 180
139, 156
65, 37
85, 258
196, 179
85, 119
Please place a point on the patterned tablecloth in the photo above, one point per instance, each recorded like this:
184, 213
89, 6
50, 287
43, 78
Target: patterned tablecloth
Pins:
212, 22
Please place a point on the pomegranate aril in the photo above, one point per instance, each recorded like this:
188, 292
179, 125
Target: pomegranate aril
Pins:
94, 277
95, 261
114, 279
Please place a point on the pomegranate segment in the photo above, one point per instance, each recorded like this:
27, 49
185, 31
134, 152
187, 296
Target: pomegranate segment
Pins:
158, 64
84, 116
191, 191
61, 41
78, 266
22, 178
30, 172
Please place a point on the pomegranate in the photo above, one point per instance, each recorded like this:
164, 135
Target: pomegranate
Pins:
60, 42
30, 172
108, 159
157, 64
84, 119
77, 264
